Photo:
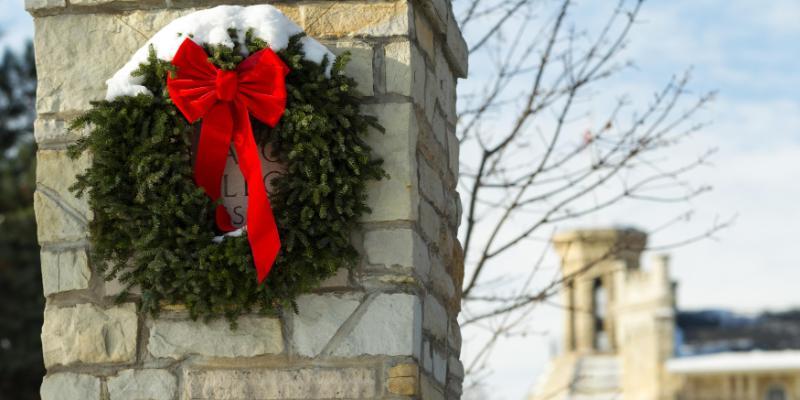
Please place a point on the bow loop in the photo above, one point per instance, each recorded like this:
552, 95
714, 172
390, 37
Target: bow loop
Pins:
225, 100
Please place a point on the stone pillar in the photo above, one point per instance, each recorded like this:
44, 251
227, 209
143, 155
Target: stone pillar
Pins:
591, 255
386, 330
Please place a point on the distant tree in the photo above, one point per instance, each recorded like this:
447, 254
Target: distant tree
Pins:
21, 299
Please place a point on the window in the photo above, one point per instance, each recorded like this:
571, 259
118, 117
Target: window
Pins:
776, 392
599, 312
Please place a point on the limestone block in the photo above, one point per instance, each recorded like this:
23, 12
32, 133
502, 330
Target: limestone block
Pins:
432, 94
447, 84
55, 221
397, 248
70, 386
442, 282
253, 336
89, 334
427, 357
395, 198
56, 172
454, 336
337, 19
439, 126
33, 5
96, 2
431, 185
429, 389
437, 11
264, 384
403, 379
439, 366
76, 53
454, 209
456, 48
425, 35
319, 317
115, 286
150, 384
54, 131
455, 367
435, 318
391, 325
429, 221
65, 270
360, 65
405, 70
340, 280
453, 147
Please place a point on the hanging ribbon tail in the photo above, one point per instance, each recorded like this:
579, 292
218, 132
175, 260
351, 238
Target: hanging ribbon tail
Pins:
262, 231
224, 100
212, 154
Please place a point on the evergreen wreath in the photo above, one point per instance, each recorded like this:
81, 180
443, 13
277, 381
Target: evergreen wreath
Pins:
153, 227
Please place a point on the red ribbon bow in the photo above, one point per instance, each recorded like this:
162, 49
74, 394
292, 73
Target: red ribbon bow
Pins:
225, 100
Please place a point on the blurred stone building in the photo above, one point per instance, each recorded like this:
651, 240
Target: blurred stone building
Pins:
625, 339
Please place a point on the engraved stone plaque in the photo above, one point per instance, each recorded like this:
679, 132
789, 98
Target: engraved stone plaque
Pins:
234, 189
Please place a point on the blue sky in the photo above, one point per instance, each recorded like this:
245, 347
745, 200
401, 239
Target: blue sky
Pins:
749, 51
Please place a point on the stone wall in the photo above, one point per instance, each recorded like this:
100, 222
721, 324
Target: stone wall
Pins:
386, 330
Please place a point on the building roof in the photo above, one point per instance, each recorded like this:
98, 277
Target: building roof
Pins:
751, 361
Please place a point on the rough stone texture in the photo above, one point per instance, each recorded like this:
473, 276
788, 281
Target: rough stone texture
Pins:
48, 131
429, 390
439, 366
424, 33
96, 2
403, 379
59, 214
56, 172
439, 125
391, 326
455, 367
114, 287
454, 336
360, 65
340, 280
435, 320
407, 249
432, 94
67, 47
431, 185
395, 198
405, 70
179, 338
453, 146
429, 220
336, 19
65, 270
457, 48
149, 384
89, 334
54, 221
442, 282
32, 5
454, 210
319, 317
70, 386
264, 384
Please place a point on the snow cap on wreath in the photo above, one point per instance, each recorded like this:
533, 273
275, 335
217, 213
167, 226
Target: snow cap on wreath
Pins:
211, 27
